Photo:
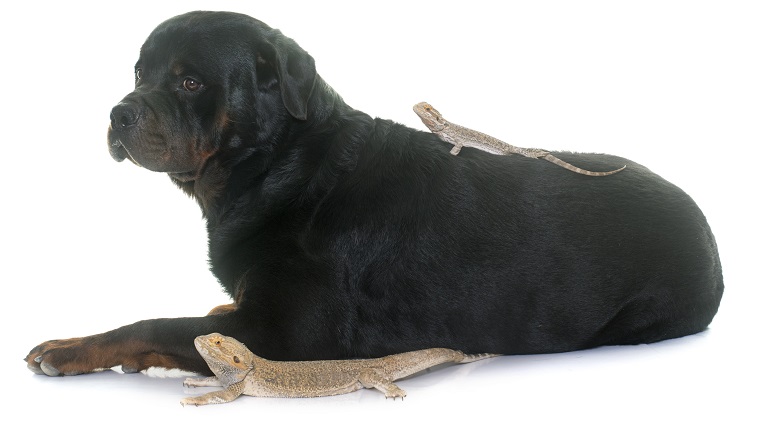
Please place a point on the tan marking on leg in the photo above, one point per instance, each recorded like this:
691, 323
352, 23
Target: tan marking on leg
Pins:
223, 309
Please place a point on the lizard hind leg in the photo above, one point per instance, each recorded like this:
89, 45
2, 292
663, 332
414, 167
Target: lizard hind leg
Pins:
371, 378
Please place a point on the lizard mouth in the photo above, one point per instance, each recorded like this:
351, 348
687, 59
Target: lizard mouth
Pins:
203, 345
223, 358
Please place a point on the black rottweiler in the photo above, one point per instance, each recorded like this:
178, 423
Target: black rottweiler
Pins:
340, 236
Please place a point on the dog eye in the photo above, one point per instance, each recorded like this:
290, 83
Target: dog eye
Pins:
138, 74
191, 85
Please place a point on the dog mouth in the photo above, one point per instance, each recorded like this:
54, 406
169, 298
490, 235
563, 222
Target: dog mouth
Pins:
119, 152
117, 149
153, 159
126, 149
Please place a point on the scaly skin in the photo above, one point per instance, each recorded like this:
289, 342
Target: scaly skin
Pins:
239, 372
462, 136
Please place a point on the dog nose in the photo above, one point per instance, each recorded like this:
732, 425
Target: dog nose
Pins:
124, 115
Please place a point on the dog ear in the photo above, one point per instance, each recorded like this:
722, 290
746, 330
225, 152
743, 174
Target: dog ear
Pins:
296, 74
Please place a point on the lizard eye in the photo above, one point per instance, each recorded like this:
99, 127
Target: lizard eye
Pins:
218, 343
236, 359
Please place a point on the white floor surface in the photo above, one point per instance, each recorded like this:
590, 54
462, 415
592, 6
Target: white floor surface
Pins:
89, 245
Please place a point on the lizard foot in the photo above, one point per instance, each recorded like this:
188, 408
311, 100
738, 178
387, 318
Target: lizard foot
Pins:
192, 401
394, 392
372, 378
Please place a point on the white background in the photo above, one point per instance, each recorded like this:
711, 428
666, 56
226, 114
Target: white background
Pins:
89, 245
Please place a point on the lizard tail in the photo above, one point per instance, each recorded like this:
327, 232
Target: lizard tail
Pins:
469, 358
552, 159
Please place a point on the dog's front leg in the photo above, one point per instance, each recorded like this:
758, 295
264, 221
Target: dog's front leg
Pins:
164, 343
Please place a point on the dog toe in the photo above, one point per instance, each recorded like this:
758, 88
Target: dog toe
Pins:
49, 369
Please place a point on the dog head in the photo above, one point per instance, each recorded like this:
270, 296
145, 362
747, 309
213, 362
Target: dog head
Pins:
210, 83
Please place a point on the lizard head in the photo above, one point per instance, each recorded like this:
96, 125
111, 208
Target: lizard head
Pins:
429, 116
229, 359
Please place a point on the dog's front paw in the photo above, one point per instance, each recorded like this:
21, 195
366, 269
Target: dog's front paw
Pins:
61, 357
106, 350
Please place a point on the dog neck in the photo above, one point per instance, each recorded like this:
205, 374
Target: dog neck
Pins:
232, 174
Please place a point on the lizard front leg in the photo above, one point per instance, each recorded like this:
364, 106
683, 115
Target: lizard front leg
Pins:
457, 141
223, 396
211, 381
371, 378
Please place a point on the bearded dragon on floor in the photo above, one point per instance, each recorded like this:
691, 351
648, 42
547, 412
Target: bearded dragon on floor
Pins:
239, 371
462, 136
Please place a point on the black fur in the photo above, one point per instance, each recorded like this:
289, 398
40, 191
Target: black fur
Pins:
344, 236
